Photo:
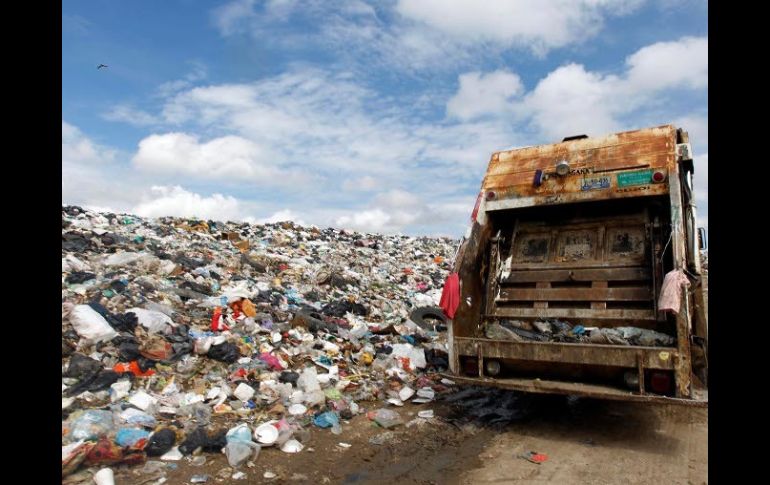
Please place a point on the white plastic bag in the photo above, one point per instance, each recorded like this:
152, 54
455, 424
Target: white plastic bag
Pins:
121, 259
90, 325
155, 322
416, 356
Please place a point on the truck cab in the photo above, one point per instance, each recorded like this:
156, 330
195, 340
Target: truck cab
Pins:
562, 269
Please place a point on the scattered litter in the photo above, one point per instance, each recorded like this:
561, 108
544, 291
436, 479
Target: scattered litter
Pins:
534, 457
180, 336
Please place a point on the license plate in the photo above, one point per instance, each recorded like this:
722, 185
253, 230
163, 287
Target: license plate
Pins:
595, 183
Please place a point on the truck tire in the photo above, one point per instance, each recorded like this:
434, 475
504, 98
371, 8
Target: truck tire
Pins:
418, 316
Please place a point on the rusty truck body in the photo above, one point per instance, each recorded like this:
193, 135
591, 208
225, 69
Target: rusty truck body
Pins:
582, 233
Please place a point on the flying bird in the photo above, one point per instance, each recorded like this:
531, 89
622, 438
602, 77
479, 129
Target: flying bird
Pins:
101, 66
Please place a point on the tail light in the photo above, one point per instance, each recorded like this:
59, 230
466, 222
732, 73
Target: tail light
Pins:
471, 367
491, 195
661, 382
476, 207
658, 176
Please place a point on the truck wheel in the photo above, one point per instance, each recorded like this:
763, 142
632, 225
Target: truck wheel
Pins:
429, 318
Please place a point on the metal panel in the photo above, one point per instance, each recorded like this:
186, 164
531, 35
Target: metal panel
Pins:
586, 354
542, 386
575, 313
611, 274
575, 294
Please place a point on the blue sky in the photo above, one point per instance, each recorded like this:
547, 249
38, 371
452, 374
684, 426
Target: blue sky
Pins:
375, 116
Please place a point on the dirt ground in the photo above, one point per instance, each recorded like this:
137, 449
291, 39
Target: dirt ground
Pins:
480, 439
613, 442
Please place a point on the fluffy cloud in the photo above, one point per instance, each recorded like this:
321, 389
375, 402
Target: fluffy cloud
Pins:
420, 34
481, 94
176, 201
323, 146
76, 148
571, 100
394, 210
534, 24
181, 153
683, 63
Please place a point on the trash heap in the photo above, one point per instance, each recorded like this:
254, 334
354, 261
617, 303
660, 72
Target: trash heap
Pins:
187, 337
553, 330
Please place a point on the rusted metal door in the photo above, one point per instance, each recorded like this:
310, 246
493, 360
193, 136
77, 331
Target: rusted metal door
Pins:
578, 270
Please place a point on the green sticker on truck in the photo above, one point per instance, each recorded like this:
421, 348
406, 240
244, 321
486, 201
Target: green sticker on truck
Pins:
640, 177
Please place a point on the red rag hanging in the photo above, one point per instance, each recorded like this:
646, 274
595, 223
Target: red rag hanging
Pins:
450, 297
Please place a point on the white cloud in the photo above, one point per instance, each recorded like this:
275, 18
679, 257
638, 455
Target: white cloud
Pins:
683, 63
481, 94
91, 172
176, 201
420, 34
395, 210
323, 146
571, 100
79, 149
534, 24
130, 115
224, 157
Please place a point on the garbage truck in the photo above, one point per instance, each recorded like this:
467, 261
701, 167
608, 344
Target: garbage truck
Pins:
572, 247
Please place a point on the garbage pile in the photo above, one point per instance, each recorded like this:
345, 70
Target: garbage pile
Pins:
559, 331
187, 337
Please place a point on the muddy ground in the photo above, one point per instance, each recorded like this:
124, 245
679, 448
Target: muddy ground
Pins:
478, 436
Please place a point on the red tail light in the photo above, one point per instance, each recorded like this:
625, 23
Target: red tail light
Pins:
660, 382
658, 176
491, 195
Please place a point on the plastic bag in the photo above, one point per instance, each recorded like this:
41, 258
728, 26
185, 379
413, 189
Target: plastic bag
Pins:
498, 332
136, 417
244, 392
90, 325
160, 442
308, 380
271, 360
226, 352
239, 433
238, 452
386, 418
153, 321
326, 420
132, 437
122, 259
416, 356
89, 425
200, 439
671, 292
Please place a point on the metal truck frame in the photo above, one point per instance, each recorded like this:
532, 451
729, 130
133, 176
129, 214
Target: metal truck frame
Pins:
584, 231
